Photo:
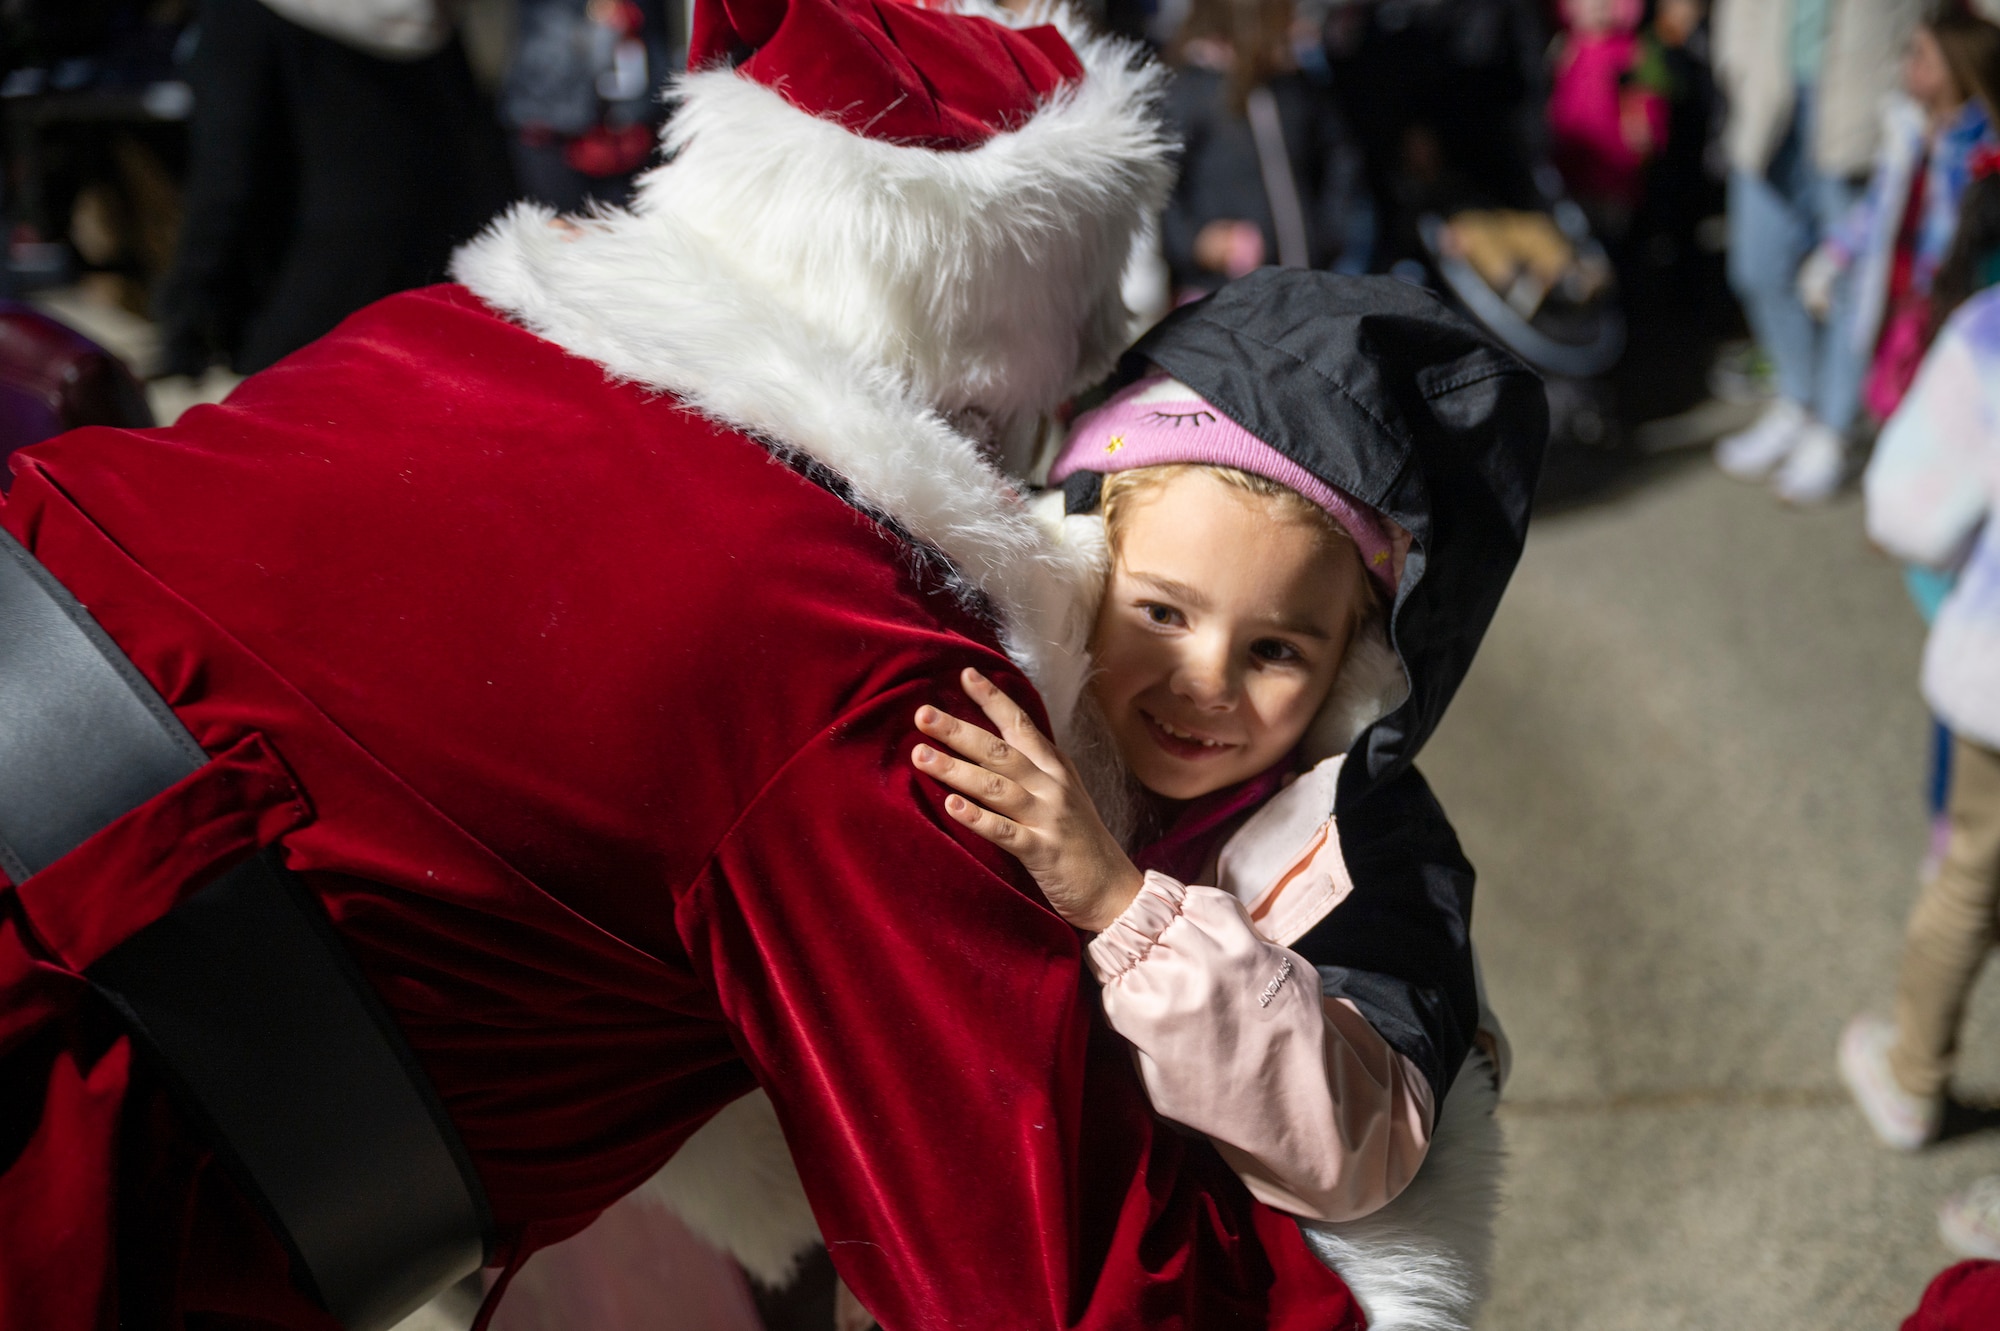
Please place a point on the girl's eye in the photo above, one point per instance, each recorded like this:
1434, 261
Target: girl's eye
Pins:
1274, 649
1163, 615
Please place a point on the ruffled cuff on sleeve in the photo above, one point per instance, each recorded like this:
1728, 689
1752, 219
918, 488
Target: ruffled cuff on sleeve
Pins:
1138, 927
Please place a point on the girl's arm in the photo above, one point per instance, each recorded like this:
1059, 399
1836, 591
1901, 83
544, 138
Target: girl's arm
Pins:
1304, 1099
1309, 1105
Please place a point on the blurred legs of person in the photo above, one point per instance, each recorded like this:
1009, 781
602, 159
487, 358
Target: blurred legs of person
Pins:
1898, 1070
1952, 928
1775, 221
1818, 463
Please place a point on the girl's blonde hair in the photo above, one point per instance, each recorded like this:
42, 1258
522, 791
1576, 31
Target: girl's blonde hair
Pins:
1122, 491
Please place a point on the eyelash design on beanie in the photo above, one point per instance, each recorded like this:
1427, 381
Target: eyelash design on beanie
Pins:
1177, 418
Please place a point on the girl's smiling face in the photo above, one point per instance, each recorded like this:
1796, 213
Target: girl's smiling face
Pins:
1221, 630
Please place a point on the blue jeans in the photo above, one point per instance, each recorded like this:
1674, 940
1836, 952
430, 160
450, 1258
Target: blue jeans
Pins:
1775, 221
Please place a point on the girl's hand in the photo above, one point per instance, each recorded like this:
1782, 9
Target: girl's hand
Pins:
1030, 803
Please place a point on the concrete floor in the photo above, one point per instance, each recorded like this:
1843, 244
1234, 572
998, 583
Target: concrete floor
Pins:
1688, 764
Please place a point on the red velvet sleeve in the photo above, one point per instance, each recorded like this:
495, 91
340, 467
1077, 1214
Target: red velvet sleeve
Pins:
978, 1151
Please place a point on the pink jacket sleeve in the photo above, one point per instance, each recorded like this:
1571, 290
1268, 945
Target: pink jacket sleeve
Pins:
1305, 1101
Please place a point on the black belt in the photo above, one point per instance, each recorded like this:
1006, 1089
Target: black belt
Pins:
244, 995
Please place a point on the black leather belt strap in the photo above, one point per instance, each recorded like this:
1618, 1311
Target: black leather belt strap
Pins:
243, 994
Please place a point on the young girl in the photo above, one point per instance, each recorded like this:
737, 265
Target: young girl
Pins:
1871, 276
1951, 75
1891, 243
1240, 589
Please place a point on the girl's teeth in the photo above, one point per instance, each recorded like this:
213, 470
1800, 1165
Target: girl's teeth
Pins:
1178, 733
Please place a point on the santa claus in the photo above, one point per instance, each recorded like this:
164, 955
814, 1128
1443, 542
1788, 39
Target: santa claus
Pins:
436, 781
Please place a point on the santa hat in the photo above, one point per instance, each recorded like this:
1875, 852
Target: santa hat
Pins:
950, 193
889, 71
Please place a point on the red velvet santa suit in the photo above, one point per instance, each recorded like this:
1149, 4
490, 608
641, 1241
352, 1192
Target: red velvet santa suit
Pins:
1964, 1297
588, 721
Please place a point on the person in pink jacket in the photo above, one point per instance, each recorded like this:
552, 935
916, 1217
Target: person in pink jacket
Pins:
1240, 650
1605, 116
1233, 601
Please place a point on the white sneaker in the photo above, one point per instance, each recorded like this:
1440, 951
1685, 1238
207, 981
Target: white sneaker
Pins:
1903, 1121
1753, 454
1969, 1223
1816, 468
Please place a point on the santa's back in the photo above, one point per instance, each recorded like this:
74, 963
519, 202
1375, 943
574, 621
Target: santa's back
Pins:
583, 622
521, 639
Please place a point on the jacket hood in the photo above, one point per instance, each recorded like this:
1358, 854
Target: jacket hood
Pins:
1378, 389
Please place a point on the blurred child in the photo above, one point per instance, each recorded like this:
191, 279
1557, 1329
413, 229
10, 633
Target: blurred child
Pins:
1932, 488
1603, 122
1269, 173
1895, 240
1896, 237
581, 97
1234, 601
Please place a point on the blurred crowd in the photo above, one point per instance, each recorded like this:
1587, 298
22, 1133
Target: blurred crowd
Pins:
249, 172
310, 156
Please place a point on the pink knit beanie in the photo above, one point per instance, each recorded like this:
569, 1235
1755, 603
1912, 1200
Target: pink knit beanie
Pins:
1158, 420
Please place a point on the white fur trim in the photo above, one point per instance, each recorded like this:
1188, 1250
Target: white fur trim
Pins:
1423, 1262
839, 297
990, 277
734, 1184
1371, 684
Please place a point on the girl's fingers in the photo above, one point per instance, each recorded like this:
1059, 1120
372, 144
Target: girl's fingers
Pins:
989, 788
1000, 831
1016, 726
981, 747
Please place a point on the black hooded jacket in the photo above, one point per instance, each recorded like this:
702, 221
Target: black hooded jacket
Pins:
1378, 389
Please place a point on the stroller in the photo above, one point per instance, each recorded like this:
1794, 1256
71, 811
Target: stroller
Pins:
1543, 285
1446, 97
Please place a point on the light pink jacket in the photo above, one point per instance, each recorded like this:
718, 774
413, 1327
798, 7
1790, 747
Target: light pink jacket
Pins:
1305, 1100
